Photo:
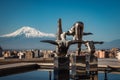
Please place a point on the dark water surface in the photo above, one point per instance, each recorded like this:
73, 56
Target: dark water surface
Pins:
44, 75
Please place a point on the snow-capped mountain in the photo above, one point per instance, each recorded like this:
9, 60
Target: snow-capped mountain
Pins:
28, 32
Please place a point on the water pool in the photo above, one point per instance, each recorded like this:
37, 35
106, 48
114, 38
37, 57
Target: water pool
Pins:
48, 75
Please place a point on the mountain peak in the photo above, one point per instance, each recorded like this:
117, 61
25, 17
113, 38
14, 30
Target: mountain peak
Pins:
28, 32
26, 28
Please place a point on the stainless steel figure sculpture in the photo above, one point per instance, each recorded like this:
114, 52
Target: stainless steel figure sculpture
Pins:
91, 47
77, 32
61, 62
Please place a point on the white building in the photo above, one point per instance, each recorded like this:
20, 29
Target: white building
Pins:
118, 56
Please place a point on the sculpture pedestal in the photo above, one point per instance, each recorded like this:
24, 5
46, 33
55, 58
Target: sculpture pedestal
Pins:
61, 68
84, 67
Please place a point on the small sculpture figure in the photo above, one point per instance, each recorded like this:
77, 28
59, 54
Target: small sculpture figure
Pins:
91, 47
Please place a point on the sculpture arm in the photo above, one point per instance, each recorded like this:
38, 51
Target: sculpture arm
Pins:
49, 41
75, 42
96, 42
89, 33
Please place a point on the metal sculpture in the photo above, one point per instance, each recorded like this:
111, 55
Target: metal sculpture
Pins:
77, 32
61, 62
90, 45
62, 44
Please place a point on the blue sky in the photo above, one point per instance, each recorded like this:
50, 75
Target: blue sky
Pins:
101, 17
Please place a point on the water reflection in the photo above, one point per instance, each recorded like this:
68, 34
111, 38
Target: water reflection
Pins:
48, 75
105, 72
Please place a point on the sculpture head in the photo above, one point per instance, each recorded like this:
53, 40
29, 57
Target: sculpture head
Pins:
78, 23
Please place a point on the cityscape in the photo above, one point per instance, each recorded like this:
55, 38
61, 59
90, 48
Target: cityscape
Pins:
83, 63
59, 40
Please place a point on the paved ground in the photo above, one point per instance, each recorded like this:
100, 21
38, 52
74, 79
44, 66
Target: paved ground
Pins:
108, 62
101, 63
12, 68
15, 65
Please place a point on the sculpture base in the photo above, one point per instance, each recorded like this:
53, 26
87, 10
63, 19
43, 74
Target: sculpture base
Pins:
84, 67
61, 68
